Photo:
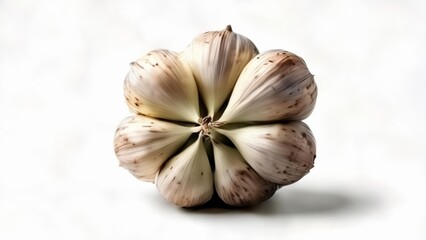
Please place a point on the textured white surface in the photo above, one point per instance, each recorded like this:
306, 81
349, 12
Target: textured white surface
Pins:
62, 65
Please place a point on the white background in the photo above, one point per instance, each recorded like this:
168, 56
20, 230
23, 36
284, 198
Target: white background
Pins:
62, 66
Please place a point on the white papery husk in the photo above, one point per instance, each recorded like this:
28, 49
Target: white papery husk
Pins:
281, 153
142, 144
275, 85
186, 179
236, 183
161, 85
216, 59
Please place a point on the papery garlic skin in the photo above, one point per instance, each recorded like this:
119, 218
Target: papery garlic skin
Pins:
142, 144
236, 183
161, 85
281, 153
186, 179
275, 85
216, 59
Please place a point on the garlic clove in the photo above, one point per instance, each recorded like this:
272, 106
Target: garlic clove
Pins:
143, 144
186, 179
161, 85
236, 183
281, 153
275, 85
216, 59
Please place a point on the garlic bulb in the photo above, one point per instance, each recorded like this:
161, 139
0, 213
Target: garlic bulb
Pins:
220, 117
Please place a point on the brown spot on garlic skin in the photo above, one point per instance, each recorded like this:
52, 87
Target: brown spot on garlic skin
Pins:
297, 147
268, 136
137, 64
